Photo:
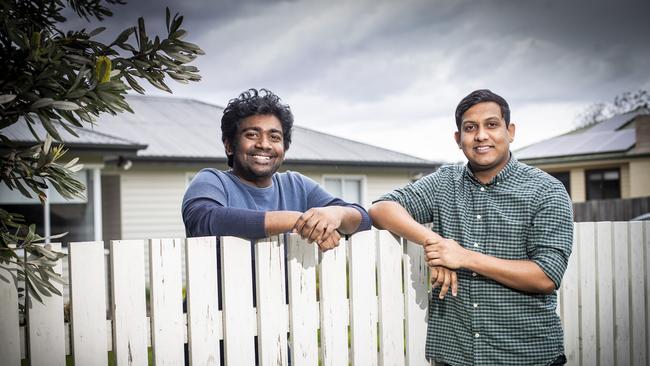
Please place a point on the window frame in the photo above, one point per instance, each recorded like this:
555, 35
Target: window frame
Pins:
357, 177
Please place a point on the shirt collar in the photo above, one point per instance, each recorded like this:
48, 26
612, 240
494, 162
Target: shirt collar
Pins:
501, 177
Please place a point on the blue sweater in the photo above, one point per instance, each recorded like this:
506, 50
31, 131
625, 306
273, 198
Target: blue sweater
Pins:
217, 203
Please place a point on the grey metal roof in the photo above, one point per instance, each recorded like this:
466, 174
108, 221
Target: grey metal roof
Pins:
89, 138
185, 129
609, 136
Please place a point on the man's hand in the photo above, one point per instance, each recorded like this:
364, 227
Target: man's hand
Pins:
319, 224
444, 252
444, 278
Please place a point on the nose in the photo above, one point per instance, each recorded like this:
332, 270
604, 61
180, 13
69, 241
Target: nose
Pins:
263, 143
481, 134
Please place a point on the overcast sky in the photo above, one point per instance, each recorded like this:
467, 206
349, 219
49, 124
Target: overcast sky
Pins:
390, 73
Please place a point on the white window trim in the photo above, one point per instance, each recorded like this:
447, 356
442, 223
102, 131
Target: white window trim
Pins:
362, 178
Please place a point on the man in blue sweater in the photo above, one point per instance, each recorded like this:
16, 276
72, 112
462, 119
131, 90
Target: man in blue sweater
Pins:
252, 199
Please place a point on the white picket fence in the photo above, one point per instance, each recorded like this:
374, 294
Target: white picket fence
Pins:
371, 285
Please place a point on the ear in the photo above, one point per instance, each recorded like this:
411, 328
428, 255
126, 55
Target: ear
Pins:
457, 138
229, 148
511, 132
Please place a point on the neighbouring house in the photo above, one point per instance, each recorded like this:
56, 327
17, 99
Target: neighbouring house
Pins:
138, 165
602, 162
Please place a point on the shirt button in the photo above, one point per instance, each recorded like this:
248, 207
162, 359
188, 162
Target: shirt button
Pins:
478, 217
476, 335
473, 274
482, 189
475, 305
476, 245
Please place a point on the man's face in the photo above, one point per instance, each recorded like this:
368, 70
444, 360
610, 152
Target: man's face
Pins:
258, 149
485, 139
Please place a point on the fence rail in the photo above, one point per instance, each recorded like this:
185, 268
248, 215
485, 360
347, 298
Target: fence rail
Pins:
372, 285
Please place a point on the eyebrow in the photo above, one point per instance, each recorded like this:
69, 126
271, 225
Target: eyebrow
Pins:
259, 129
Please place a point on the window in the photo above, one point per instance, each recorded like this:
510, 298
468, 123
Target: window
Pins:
603, 184
564, 178
348, 189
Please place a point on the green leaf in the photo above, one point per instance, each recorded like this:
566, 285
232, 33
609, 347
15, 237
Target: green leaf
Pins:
6, 98
65, 105
96, 32
43, 102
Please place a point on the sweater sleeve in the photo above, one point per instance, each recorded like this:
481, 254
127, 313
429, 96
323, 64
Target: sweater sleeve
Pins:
206, 217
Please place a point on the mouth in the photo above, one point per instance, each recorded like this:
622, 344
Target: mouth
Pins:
261, 158
482, 149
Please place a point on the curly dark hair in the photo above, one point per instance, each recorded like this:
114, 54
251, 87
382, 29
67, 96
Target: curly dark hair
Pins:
252, 103
480, 96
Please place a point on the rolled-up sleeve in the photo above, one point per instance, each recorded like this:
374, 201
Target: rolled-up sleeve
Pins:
550, 238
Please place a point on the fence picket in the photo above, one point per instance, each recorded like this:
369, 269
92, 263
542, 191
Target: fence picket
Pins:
88, 302
130, 330
391, 300
272, 320
621, 294
646, 245
416, 276
638, 296
46, 332
588, 319
238, 317
203, 315
605, 280
167, 324
333, 307
571, 304
303, 312
363, 298
9, 326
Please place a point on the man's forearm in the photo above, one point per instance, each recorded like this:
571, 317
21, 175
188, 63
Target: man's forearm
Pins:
523, 275
279, 222
391, 216
350, 219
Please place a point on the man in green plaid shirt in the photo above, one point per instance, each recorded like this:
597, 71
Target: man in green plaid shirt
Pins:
501, 239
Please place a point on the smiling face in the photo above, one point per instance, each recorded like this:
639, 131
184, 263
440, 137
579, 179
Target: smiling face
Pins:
258, 149
485, 139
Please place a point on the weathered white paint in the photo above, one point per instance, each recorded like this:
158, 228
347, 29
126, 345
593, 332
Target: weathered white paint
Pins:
571, 305
588, 320
638, 297
609, 268
203, 315
167, 323
86, 261
605, 278
303, 310
333, 306
391, 300
46, 334
9, 327
416, 276
271, 305
621, 294
238, 317
130, 334
363, 298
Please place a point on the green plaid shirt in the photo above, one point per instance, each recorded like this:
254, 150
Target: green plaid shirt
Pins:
523, 213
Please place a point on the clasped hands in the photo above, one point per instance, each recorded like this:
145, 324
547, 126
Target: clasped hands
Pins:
444, 256
320, 224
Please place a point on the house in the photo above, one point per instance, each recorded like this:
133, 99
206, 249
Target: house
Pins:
606, 160
137, 167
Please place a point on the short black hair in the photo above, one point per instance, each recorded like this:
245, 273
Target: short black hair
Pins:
252, 103
480, 96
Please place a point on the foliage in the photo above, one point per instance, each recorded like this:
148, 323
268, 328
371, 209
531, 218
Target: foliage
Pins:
59, 81
623, 103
